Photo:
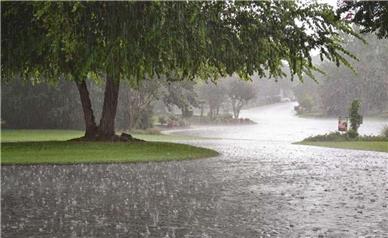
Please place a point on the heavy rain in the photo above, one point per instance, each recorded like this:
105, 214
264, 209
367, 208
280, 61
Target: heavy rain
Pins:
178, 119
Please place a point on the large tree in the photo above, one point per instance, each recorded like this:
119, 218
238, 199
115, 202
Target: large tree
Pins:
116, 41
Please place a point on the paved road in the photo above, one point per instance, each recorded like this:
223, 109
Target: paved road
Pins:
261, 186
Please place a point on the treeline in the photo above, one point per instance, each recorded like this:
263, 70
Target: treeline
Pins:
334, 91
38, 106
25, 105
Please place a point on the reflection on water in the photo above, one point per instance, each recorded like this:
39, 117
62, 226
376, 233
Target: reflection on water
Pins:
260, 186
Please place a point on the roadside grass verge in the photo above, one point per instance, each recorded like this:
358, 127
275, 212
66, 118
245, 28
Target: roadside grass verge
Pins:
52, 147
337, 140
381, 146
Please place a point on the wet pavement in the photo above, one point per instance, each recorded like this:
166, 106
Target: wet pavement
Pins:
262, 185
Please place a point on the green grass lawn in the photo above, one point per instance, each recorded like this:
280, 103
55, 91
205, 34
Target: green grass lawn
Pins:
51, 147
381, 146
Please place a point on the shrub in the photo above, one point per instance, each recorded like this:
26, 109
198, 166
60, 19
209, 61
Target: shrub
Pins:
162, 120
332, 136
182, 123
349, 136
355, 117
352, 133
172, 117
307, 103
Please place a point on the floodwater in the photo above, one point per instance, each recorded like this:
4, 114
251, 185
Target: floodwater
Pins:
261, 185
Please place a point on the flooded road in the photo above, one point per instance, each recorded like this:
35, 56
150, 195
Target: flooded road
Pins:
260, 186
278, 122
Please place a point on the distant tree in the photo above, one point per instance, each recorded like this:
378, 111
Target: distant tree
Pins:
307, 89
215, 95
180, 94
137, 100
307, 103
162, 120
384, 131
339, 86
239, 93
372, 16
39, 106
354, 116
131, 41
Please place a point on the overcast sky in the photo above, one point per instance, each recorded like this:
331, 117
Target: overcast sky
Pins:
331, 2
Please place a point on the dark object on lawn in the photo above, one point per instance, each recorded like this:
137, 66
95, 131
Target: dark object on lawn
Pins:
125, 137
128, 138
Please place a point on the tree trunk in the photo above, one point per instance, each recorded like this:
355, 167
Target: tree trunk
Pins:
132, 119
129, 107
185, 112
237, 113
234, 107
90, 123
106, 129
211, 113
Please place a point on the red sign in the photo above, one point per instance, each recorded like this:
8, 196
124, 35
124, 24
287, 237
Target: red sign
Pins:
343, 124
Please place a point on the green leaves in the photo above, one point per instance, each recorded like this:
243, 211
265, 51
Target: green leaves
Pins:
184, 39
372, 16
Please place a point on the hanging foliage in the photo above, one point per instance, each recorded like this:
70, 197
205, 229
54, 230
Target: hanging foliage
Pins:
45, 41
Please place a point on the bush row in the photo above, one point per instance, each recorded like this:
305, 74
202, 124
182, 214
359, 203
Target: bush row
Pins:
349, 136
